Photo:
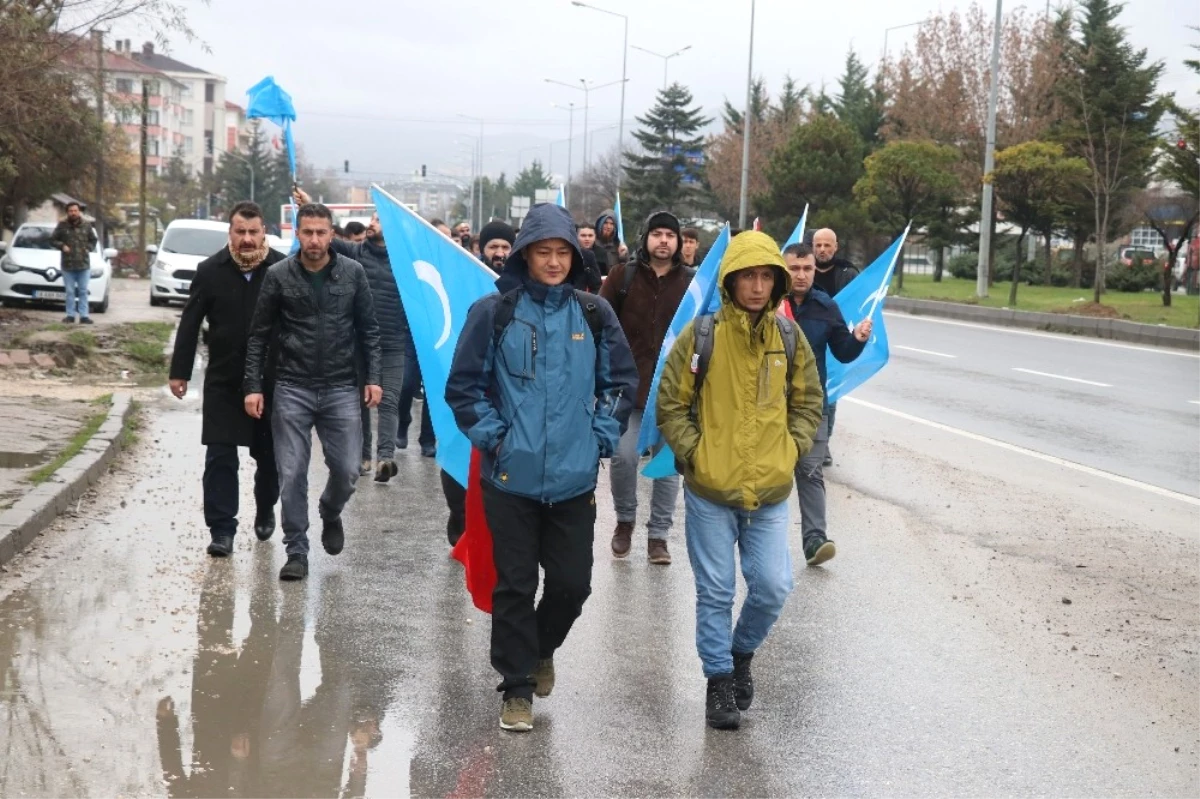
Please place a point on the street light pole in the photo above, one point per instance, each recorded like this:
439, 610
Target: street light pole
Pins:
479, 224
624, 80
666, 58
886, 31
989, 163
570, 109
744, 201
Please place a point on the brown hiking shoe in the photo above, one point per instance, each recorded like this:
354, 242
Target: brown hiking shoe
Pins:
620, 541
543, 675
516, 714
656, 550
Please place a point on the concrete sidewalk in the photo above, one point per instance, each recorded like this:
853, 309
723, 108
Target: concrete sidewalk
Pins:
33, 430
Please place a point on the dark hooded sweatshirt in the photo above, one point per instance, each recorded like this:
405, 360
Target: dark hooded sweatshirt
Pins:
611, 247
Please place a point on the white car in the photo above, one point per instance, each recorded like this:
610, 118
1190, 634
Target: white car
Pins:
185, 244
31, 270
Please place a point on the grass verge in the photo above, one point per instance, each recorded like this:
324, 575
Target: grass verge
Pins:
77, 442
1143, 307
133, 423
143, 342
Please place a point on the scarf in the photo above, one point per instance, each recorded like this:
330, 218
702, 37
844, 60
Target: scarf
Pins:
248, 262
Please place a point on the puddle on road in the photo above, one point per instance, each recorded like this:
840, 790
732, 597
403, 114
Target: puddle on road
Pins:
21, 460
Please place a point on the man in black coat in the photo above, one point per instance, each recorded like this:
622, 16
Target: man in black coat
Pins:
224, 292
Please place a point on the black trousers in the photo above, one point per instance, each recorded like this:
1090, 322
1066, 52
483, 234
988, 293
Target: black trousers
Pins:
525, 534
221, 483
456, 501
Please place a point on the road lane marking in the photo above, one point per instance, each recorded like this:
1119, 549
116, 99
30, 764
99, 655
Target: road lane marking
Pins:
1041, 456
1054, 336
923, 352
1062, 377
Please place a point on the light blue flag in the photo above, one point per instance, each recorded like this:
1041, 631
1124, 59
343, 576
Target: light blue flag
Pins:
620, 224
561, 199
863, 299
269, 101
797, 234
438, 282
703, 297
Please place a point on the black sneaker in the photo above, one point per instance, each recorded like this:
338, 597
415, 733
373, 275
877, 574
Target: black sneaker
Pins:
87, 320
221, 546
264, 525
828, 459
296, 568
333, 537
386, 471
401, 442
428, 452
721, 710
818, 550
68, 320
743, 683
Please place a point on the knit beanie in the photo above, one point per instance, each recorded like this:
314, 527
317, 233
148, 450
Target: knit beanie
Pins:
496, 230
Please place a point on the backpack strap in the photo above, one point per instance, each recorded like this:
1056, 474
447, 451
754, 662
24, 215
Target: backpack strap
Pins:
789, 333
702, 348
504, 313
591, 312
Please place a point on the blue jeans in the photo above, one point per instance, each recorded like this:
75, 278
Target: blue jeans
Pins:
334, 413
408, 390
762, 538
76, 286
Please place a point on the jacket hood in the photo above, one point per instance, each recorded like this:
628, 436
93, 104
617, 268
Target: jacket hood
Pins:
607, 213
660, 218
545, 221
747, 250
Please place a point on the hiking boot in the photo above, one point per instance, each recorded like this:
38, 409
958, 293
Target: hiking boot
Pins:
720, 708
743, 683
333, 536
544, 676
828, 461
621, 539
296, 568
386, 471
68, 320
516, 714
221, 546
819, 550
264, 524
366, 468
401, 442
656, 550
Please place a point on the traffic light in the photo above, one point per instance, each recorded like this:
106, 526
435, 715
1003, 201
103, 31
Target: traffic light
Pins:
422, 170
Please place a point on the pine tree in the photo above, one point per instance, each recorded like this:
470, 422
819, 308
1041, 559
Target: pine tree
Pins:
859, 104
669, 169
529, 180
760, 102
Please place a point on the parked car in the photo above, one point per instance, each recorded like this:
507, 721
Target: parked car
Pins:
31, 270
185, 244
1134, 255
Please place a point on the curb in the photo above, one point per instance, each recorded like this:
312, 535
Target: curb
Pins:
34, 512
1116, 329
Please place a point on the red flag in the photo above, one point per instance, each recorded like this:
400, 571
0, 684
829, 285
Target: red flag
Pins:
474, 549
757, 224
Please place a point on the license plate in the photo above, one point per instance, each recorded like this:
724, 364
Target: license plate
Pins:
49, 295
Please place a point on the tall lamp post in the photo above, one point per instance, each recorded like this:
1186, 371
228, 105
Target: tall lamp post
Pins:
570, 109
479, 223
886, 31
624, 79
666, 58
745, 194
989, 163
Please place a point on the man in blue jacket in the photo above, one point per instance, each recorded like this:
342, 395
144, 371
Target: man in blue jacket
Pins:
542, 384
825, 328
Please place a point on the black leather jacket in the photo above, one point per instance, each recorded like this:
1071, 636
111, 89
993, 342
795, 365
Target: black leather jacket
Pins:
317, 333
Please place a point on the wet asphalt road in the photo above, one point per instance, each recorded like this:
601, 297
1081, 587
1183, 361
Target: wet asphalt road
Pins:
134, 665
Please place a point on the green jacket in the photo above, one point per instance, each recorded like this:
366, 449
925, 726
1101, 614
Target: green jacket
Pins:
750, 427
80, 240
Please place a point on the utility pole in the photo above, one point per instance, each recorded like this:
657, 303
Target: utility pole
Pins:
744, 201
989, 163
101, 90
142, 175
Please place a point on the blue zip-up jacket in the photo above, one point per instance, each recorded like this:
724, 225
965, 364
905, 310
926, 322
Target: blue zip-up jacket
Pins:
823, 325
547, 401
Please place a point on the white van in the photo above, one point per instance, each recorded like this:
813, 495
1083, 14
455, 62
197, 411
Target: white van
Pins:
185, 244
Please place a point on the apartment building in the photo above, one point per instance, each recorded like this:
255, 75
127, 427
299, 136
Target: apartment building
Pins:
124, 78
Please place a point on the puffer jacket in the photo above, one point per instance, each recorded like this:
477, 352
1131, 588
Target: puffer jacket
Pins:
318, 333
79, 240
750, 426
544, 401
389, 310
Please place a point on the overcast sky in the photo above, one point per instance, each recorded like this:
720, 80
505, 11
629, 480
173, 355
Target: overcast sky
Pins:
381, 83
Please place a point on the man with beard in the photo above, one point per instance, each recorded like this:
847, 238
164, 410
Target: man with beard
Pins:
224, 293
645, 293
832, 274
320, 305
608, 240
495, 243
75, 239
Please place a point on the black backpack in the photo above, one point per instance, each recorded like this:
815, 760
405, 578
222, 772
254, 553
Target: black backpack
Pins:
508, 306
702, 334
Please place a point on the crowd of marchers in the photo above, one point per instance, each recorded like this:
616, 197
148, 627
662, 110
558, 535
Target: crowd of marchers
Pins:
315, 341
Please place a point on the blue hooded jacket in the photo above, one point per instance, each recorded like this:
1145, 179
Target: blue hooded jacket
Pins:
546, 401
